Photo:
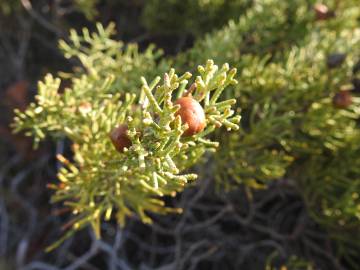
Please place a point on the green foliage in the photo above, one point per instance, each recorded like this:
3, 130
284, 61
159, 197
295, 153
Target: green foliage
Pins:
190, 16
269, 26
101, 56
291, 100
290, 128
102, 181
88, 7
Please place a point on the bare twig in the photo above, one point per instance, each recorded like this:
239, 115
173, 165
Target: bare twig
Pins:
40, 19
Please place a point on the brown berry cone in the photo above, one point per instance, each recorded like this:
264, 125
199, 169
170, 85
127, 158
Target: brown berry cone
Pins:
119, 138
192, 114
356, 83
342, 99
322, 12
335, 60
356, 67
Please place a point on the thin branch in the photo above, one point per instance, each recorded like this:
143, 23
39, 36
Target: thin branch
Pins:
40, 19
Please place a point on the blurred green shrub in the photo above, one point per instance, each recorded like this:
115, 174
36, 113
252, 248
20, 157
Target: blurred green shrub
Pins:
290, 128
190, 16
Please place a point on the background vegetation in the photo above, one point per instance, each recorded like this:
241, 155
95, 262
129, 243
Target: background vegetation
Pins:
282, 192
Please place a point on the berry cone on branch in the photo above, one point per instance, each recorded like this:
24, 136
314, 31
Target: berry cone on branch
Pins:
192, 114
322, 12
335, 60
356, 83
16, 95
119, 138
155, 155
85, 108
356, 67
342, 99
